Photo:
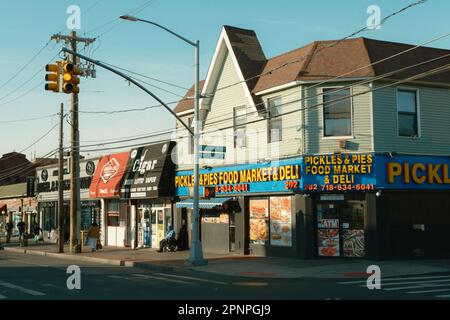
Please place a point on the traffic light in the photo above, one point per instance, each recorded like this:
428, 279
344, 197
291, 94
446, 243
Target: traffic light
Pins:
52, 77
70, 79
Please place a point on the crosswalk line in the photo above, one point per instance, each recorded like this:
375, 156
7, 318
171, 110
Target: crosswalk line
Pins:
396, 279
418, 286
21, 289
409, 282
191, 278
3, 297
162, 279
428, 291
443, 296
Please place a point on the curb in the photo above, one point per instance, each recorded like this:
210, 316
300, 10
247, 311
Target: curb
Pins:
122, 263
67, 257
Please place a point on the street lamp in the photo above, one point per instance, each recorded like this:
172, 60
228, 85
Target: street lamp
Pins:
196, 252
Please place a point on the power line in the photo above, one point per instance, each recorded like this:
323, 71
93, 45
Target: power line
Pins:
318, 50
28, 119
24, 66
42, 137
25, 83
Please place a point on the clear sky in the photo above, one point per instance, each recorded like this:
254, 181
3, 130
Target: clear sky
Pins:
282, 25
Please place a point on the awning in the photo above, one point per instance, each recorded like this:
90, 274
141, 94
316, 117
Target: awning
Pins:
203, 203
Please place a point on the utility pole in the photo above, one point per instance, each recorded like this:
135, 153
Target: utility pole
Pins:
61, 183
75, 205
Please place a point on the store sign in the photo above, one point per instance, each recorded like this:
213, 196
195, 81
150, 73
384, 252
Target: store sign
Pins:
339, 172
108, 176
281, 176
413, 172
150, 172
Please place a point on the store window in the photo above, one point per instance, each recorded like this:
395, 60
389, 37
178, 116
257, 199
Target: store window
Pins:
275, 123
240, 119
49, 218
337, 113
407, 113
270, 221
114, 216
340, 229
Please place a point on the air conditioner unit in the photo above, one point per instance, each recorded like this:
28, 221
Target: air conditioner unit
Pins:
343, 144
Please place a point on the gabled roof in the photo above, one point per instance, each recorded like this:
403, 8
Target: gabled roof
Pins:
319, 60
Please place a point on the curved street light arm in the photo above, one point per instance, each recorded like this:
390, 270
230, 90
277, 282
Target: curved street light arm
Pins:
100, 64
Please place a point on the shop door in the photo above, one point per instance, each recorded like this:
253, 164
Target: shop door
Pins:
340, 229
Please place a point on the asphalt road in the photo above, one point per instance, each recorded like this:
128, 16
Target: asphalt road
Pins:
25, 277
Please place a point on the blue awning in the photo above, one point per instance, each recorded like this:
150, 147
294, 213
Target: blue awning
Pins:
203, 203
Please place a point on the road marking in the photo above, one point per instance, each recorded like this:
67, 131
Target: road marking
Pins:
190, 278
396, 279
117, 277
48, 285
163, 279
409, 282
444, 296
428, 291
426, 285
21, 289
3, 297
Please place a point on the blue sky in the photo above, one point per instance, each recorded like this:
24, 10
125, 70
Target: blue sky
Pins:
283, 25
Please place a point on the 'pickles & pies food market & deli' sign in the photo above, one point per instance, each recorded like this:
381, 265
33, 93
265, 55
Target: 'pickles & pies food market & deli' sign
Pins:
339, 172
280, 176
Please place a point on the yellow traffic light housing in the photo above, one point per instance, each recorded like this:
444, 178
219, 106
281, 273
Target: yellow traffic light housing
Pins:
52, 76
70, 79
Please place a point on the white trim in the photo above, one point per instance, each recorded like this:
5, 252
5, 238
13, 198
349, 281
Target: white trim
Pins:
333, 80
416, 90
222, 45
352, 135
183, 113
372, 116
278, 88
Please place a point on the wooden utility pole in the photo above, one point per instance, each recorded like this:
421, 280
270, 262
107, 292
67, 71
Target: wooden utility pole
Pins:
75, 205
61, 183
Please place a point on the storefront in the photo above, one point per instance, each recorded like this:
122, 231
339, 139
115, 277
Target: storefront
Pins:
105, 185
254, 209
337, 186
148, 187
47, 197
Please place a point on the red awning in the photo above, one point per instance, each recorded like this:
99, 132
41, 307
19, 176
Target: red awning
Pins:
108, 175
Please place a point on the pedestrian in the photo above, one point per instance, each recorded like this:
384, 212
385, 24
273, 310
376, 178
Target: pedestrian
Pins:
37, 232
93, 235
183, 237
21, 227
9, 229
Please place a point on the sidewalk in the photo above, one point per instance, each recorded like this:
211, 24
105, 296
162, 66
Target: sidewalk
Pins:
238, 265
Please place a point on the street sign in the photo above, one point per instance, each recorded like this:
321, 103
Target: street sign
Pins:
212, 152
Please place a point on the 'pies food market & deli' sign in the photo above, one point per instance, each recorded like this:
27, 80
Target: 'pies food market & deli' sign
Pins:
284, 175
339, 172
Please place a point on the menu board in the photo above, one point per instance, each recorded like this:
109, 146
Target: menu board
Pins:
280, 221
259, 220
354, 243
328, 242
222, 218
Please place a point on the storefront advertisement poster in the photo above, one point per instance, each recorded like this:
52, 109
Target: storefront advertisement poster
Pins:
353, 243
328, 242
280, 221
259, 220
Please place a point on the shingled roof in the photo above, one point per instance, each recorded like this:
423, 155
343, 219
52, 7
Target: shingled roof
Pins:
187, 103
322, 60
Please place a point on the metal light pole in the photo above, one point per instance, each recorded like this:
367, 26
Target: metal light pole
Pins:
196, 251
